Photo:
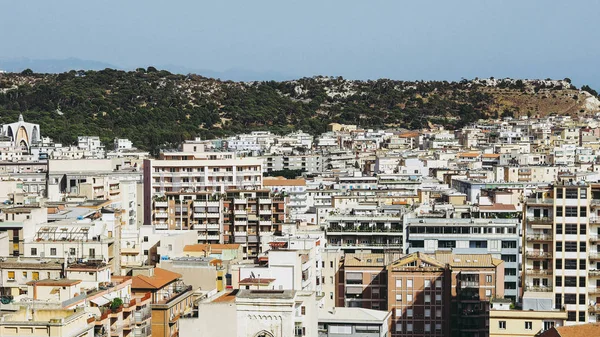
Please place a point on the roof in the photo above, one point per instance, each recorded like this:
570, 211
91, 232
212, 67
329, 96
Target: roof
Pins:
257, 281
283, 182
227, 297
54, 283
490, 155
467, 260
468, 154
425, 261
352, 315
498, 207
214, 248
589, 329
367, 260
269, 294
409, 135
161, 278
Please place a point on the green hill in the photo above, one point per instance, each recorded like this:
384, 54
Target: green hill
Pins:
156, 108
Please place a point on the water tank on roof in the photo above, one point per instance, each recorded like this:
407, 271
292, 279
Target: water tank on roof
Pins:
80, 217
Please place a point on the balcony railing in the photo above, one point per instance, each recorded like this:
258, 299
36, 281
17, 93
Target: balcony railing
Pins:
540, 288
540, 220
594, 238
364, 229
538, 271
539, 237
594, 256
469, 284
538, 255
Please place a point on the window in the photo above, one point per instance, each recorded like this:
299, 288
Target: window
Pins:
303, 310
571, 193
559, 193
427, 298
559, 229
559, 211
502, 325
570, 246
438, 283
582, 193
33, 251
72, 251
582, 316
438, 326
571, 228
510, 271
427, 312
582, 246
559, 246
509, 258
409, 327
582, 211
409, 283
146, 252
24, 274
409, 297
488, 278
582, 264
35, 275
92, 252
145, 239
558, 281
571, 211
427, 283
438, 298
398, 327
427, 327
11, 275
548, 325
53, 251
571, 316
558, 264
330, 264
409, 313
570, 299
488, 292
582, 228
331, 295
398, 283
582, 299
570, 264
509, 244
398, 297
528, 325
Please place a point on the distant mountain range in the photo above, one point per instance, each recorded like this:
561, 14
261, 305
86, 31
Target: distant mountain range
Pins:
53, 66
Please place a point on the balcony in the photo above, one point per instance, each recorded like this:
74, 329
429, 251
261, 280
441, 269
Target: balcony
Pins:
265, 223
594, 272
162, 215
240, 201
240, 233
538, 271
538, 255
538, 201
206, 215
116, 329
142, 315
594, 290
164, 204
206, 226
240, 223
265, 212
540, 220
539, 237
208, 237
161, 226
540, 288
240, 212
594, 238
170, 296
469, 284
594, 256
264, 201
594, 308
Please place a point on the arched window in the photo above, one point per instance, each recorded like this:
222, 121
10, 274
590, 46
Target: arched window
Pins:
264, 333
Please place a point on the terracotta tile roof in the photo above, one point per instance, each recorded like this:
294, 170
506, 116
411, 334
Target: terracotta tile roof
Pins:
498, 207
283, 182
409, 135
214, 248
589, 329
468, 154
467, 260
161, 278
491, 155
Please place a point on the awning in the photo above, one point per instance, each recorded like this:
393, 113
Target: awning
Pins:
100, 301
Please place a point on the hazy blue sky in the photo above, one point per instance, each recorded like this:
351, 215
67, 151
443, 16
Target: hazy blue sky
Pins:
355, 39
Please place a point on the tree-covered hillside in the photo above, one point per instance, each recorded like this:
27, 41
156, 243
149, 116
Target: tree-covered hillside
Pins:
153, 108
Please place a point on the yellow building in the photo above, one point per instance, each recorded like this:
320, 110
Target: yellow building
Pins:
505, 322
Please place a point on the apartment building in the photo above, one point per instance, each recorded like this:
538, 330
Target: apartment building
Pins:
309, 163
505, 321
46, 323
418, 294
499, 237
378, 233
19, 223
561, 255
190, 176
251, 217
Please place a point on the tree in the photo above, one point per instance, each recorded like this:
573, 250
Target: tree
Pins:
27, 72
116, 303
590, 90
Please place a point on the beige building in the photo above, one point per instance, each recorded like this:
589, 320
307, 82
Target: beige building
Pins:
505, 322
47, 323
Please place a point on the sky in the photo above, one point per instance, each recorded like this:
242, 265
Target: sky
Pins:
405, 40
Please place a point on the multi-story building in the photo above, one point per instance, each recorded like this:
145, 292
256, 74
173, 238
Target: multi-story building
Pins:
251, 217
505, 321
191, 176
355, 232
499, 237
46, 323
561, 255
418, 294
